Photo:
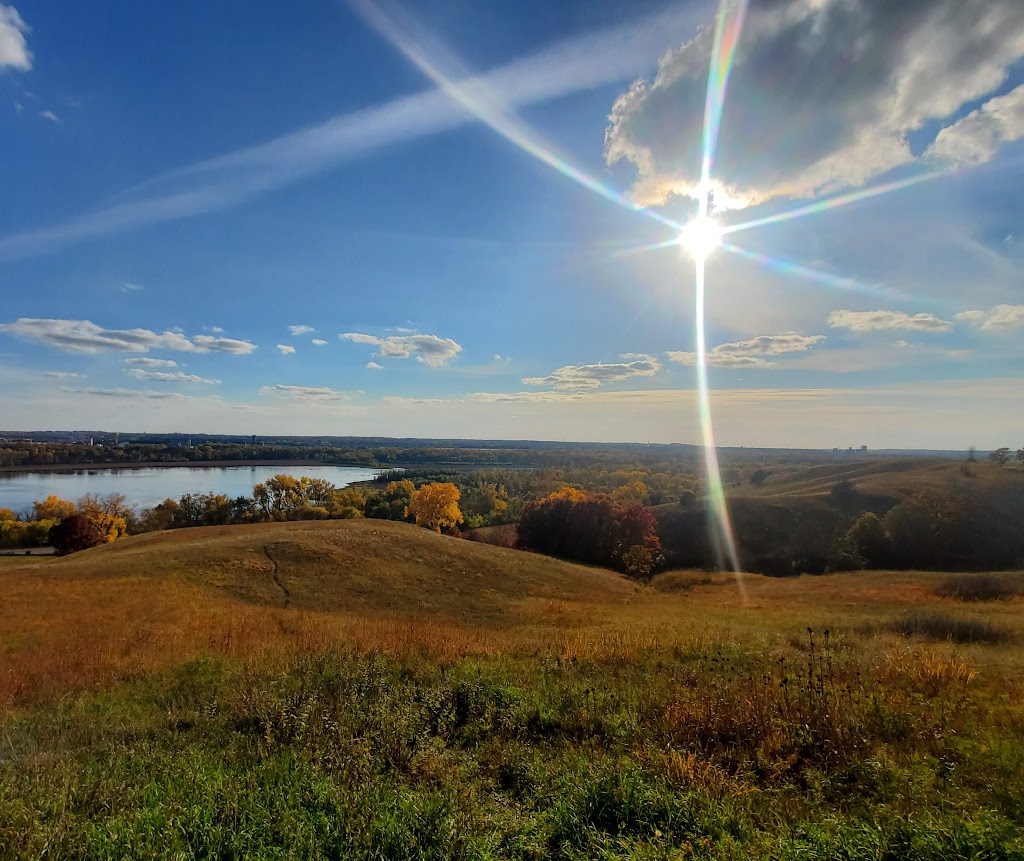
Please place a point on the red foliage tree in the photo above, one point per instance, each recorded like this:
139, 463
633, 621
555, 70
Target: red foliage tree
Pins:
75, 533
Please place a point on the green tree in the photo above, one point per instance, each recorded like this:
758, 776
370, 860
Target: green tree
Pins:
1000, 456
869, 540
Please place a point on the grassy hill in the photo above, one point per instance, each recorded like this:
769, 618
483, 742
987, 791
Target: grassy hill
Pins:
368, 690
353, 566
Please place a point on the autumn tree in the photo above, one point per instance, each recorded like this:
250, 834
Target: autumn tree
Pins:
393, 503
75, 533
109, 514
436, 506
52, 508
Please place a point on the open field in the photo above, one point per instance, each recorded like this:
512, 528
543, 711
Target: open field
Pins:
355, 689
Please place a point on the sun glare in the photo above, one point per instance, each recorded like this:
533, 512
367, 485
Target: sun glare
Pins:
700, 237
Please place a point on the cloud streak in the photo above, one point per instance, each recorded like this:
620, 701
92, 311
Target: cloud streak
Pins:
84, 336
431, 350
574, 377
887, 321
574, 65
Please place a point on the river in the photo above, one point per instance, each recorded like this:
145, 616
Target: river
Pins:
144, 487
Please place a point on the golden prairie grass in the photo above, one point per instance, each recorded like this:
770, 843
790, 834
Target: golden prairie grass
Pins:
88, 621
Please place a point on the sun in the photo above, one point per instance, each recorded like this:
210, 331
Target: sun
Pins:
700, 237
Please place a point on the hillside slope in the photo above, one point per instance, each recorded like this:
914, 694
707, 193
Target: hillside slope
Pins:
352, 566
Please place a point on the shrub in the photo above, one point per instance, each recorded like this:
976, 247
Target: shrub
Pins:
976, 587
936, 626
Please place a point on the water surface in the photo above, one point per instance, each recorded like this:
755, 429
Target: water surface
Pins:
144, 487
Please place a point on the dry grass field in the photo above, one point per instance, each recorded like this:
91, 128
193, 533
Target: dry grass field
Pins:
368, 689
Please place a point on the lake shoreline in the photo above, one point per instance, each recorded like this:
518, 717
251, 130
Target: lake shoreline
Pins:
177, 464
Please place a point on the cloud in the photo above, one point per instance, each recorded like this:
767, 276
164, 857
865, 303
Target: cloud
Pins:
319, 342
1000, 317
130, 287
432, 350
84, 336
755, 353
978, 136
308, 394
146, 362
63, 375
578, 64
216, 330
373, 366
301, 330
171, 377
596, 375
886, 321
14, 52
823, 95
51, 116
285, 349
210, 344
132, 394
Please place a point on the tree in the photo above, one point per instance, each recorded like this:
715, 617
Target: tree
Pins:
759, 477
436, 506
393, 503
109, 514
869, 540
972, 454
52, 508
75, 533
1000, 456
1020, 455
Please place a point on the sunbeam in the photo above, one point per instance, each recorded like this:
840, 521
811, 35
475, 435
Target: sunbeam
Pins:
834, 202
704, 236
838, 282
483, 103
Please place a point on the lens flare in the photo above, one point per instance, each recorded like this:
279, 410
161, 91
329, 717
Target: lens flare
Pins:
700, 238
485, 104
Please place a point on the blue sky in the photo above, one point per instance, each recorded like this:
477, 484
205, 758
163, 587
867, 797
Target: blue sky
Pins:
362, 218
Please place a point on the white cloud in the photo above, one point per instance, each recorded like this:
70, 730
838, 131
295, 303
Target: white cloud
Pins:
887, 321
319, 342
131, 394
209, 344
285, 349
373, 366
755, 353
856, 79
146, 362
171, 377
308, 394
1000, 317
596, 375
216, 330
14, 52
432, 350
51, 116
84, 336
63, 375
131, 287
977, 137
301, 330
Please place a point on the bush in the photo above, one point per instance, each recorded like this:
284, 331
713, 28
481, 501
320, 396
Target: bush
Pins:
976, 587
935, 626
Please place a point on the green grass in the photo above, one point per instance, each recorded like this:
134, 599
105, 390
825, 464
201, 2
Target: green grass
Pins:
676, 753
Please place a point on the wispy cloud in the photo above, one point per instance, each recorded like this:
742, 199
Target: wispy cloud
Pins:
431, 350
131, 287
308, 394
301, 330
758, 352
999, 317
887, 321
171, 377
146, 362
596, 375
63, 375
318, 342
51, 116
84, 336
574, 65
285, 349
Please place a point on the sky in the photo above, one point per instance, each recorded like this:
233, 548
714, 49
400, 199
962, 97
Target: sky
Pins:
456, 219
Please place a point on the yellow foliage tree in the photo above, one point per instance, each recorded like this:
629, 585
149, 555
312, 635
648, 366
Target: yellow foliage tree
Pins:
53, 508
436, 506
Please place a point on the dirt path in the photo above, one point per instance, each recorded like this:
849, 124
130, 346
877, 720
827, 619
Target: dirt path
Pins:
274, 576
